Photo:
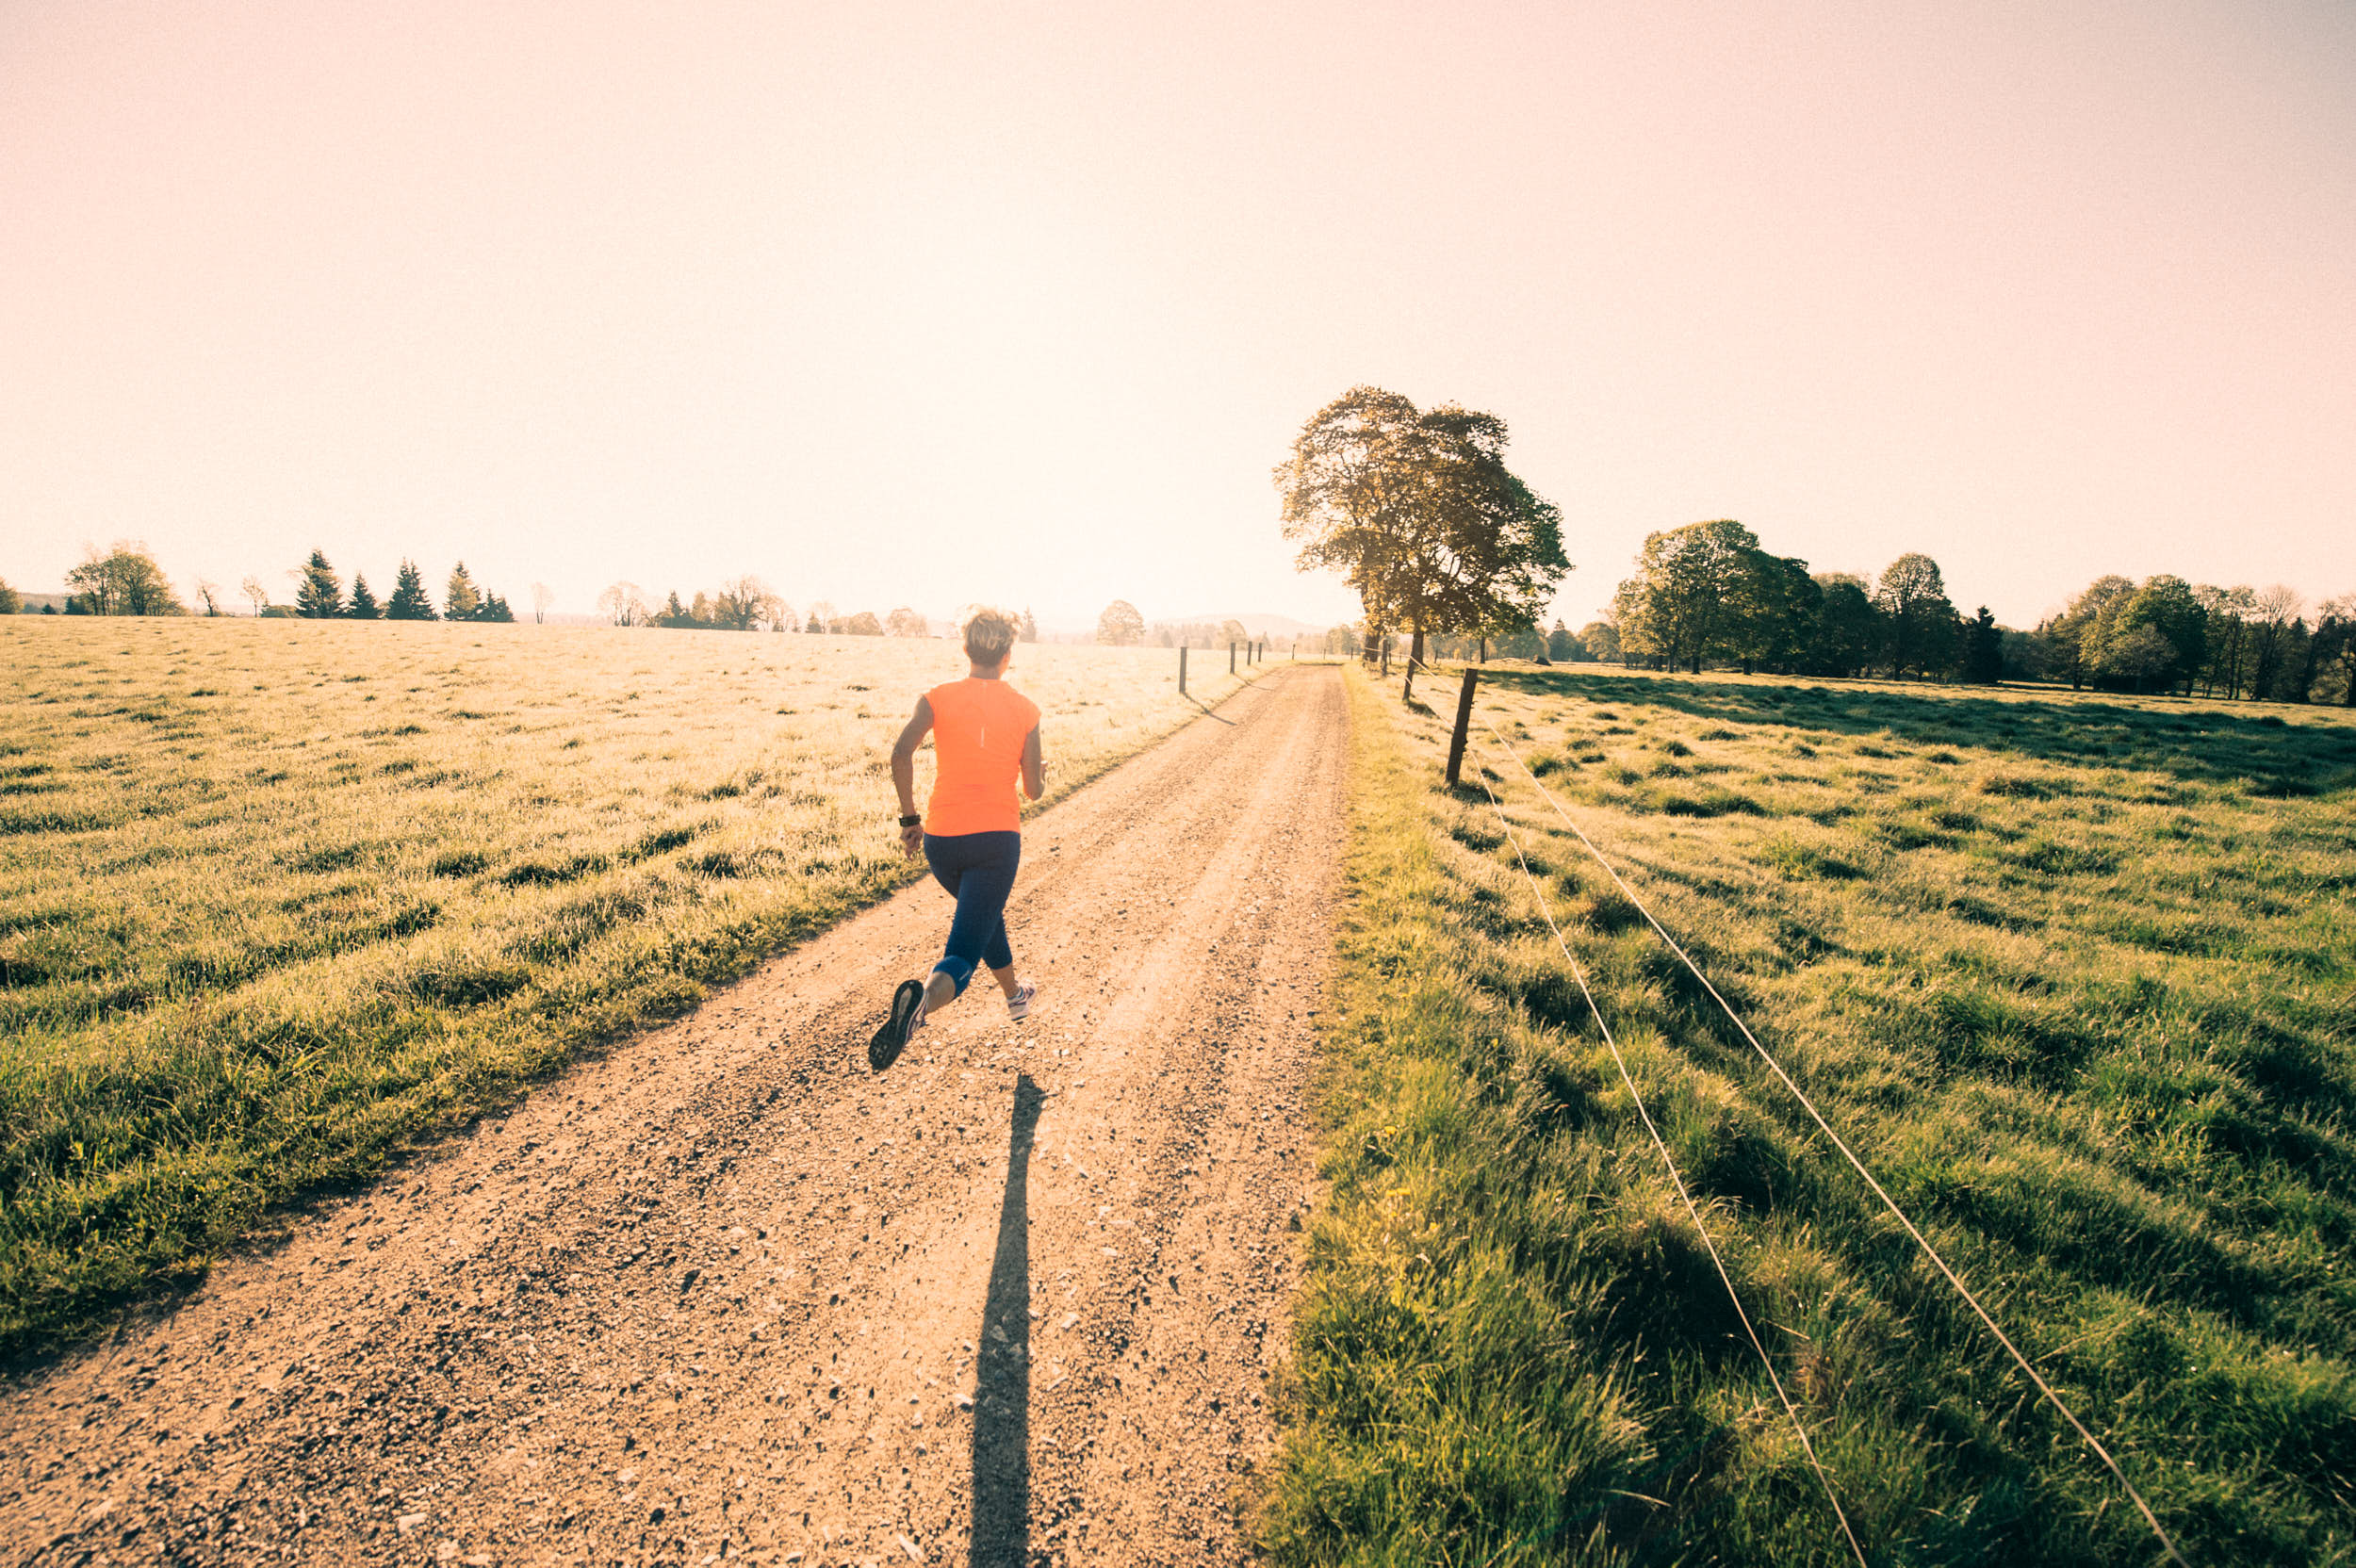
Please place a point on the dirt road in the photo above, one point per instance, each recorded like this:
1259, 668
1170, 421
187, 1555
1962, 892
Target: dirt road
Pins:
726, 1294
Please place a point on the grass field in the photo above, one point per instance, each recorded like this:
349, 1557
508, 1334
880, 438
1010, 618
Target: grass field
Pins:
2074, 977
279, 897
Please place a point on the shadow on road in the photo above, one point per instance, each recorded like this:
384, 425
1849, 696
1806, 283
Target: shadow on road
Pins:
1002, 1390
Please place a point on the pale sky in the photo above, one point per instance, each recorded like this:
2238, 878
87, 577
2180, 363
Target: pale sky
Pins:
926, 304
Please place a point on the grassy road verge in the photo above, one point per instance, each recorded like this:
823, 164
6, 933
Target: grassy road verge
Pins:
279, 898
2076, 978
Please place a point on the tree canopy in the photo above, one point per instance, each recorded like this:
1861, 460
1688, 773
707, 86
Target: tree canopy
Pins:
1419, 514
124, 581
1688, 595
1920, 624
1120, 626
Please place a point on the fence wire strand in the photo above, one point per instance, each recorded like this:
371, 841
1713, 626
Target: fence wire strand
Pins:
1675, 1178
1929, 1252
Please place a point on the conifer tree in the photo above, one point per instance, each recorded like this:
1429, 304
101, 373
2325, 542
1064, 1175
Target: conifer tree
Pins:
461, 599
493, 608
409, 602
318, 596
363, 605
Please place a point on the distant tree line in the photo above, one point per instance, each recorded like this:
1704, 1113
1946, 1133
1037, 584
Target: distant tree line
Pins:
125, 580
1198, 635
1707, 594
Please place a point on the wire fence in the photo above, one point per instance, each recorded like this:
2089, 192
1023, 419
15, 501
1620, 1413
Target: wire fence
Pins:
1946, 1271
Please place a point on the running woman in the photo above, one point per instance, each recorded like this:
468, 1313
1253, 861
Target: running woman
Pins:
985, 733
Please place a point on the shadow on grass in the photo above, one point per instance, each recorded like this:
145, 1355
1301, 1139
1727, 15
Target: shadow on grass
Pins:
2191, 739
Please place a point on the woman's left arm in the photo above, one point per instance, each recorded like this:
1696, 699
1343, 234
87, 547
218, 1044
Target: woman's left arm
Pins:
1034, 766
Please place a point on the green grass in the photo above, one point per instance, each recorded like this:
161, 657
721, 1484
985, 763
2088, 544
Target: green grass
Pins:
2073, 977
278, 898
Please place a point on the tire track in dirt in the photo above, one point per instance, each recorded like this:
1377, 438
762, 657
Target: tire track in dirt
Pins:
723, 1293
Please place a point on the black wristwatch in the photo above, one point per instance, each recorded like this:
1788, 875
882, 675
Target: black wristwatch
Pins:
910, 822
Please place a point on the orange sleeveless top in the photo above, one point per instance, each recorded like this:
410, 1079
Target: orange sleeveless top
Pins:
978, 731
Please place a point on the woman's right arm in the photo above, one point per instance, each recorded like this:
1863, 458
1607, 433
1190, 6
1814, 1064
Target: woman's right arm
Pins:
904, 771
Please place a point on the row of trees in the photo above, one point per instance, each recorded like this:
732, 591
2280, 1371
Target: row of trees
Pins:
2165, 635
1709, 594
747, 604
319, 596
125, 580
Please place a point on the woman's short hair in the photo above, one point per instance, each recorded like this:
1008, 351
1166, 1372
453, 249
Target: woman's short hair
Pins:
988, 636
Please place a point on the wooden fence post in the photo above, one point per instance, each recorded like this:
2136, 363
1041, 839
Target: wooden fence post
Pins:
1231, 658
1464, 723
1182, 669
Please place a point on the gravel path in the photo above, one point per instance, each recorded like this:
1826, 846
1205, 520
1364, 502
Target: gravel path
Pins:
723, 1293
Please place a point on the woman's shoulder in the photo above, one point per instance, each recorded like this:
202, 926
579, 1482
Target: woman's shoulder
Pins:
1023, 703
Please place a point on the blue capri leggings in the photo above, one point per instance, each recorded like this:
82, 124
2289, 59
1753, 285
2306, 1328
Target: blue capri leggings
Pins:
978, 871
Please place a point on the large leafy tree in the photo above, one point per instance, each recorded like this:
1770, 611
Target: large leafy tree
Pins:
743, 603
624, 604
1777, 608
2073, 641
409, 602
2166, 606
1848, 628
1120, 626
1685, 600
1918, 623
1419, 514
124, 581
2336, 636
319, 593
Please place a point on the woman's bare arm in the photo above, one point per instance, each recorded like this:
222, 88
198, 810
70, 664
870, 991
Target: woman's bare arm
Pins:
904, 771
1034, 766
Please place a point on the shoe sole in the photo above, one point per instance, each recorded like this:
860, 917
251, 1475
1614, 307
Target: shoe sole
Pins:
892, 1037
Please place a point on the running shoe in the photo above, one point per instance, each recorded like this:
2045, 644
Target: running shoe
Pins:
1019, 1004
892, 1037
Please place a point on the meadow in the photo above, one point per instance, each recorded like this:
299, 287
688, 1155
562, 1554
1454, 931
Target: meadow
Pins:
2072, 975
280, 898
